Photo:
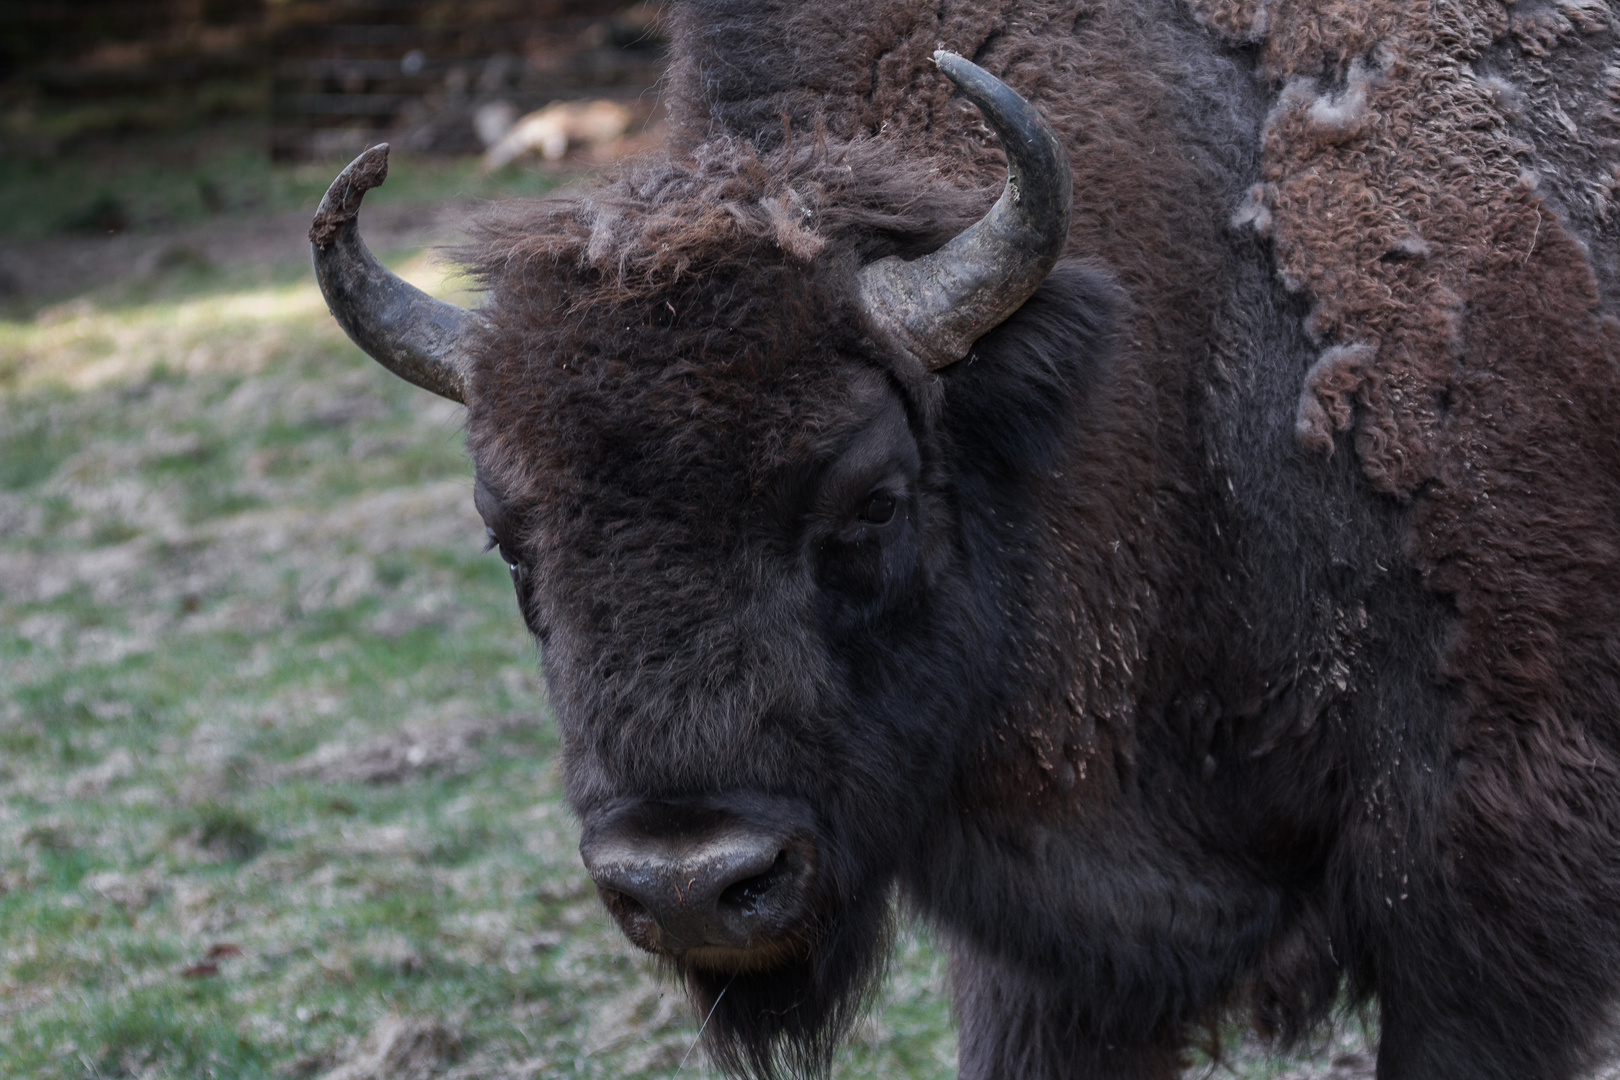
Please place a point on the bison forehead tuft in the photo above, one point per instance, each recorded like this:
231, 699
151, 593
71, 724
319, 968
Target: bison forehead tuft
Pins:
721, 206
673, 410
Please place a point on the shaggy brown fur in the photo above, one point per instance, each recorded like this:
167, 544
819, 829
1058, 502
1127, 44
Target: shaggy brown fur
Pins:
1260, 629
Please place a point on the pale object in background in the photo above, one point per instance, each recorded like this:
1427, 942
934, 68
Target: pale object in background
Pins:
494, 119
554, 129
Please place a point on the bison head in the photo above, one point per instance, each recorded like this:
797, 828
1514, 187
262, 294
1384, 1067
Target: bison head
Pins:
757, 433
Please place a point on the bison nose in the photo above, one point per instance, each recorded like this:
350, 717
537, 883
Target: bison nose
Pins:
726, 899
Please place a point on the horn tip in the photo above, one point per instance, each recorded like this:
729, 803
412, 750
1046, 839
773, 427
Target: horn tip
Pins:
954, 65
342, 200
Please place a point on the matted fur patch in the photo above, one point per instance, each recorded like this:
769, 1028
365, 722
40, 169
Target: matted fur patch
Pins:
1392, 188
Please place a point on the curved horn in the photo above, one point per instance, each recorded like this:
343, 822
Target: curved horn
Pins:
398, 325
934, 308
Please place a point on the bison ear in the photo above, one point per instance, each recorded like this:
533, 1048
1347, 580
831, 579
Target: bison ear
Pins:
1006, 405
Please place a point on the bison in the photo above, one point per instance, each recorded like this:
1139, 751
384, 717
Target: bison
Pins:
1189, 581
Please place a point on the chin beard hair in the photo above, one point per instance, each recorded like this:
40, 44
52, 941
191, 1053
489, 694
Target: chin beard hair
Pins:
786, 1022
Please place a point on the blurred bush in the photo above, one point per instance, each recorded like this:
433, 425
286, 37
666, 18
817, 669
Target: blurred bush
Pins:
325, 77
95, 67
438, 76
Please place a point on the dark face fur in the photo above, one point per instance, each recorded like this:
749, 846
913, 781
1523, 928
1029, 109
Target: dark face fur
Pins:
764, 570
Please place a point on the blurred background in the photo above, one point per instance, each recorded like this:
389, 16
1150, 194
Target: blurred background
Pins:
313, 78
139, 116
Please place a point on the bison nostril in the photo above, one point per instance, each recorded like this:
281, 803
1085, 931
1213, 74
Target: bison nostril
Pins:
639, 923
622, 903
746, 895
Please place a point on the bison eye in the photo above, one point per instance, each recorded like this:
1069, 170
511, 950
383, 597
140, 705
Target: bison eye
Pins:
493, 542
879, 509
